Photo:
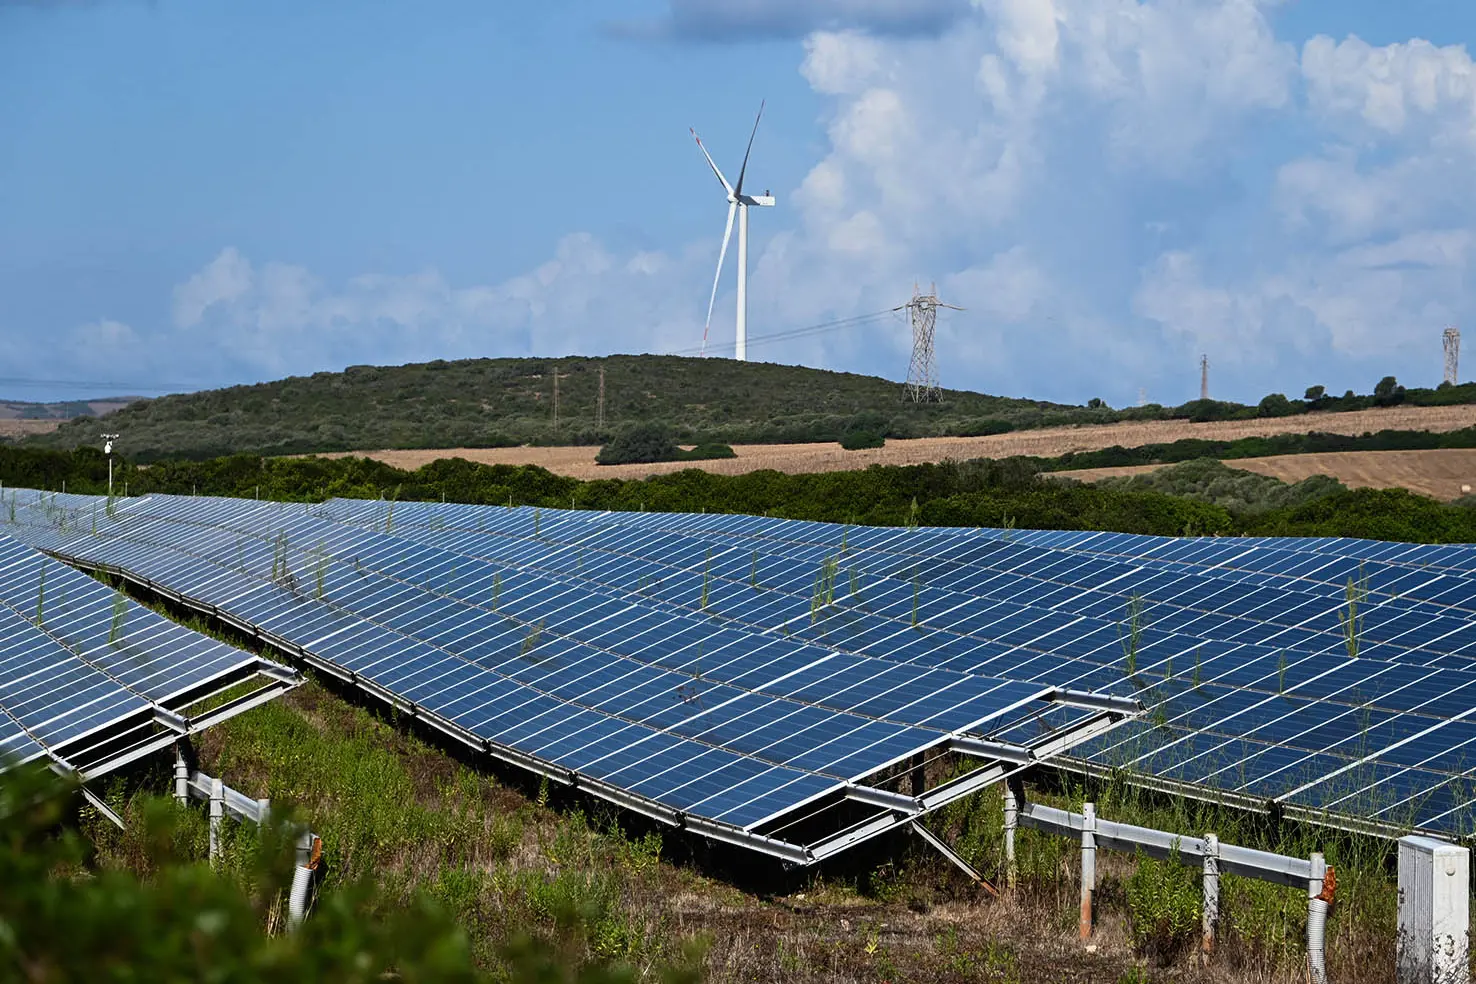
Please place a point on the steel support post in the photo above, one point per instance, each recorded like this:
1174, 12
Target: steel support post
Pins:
1088, 866
1317, 922
217, 814
181, 776
1211, 894
1011, 789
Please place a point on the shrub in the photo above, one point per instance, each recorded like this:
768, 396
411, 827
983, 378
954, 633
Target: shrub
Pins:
860, 440
1276, 405
1388, 392
639, 445
708, 452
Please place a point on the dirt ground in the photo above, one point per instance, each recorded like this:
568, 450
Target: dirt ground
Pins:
15, 427
1444, 474
578, 462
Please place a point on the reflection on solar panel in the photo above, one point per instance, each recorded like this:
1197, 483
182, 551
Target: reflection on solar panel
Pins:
1336, 678
91, 681
767, 739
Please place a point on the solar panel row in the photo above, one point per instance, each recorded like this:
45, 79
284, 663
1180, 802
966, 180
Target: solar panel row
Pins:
689, 714
91, 680
1256, 692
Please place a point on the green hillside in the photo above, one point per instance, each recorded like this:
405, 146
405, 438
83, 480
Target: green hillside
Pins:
494, 402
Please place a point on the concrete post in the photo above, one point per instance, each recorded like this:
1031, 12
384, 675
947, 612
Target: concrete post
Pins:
217, 814
181, 776
1088, 866
1211, 894
1434, 944
1012, 804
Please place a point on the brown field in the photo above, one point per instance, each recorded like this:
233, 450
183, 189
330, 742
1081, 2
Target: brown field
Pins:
1440, 474
18, 427
578, 462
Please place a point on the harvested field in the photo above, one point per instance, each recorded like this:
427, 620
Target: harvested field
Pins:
578, 462
20, 427
1439, 474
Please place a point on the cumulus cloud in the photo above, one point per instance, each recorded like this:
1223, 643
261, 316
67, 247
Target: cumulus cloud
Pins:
729, 21
1110, 187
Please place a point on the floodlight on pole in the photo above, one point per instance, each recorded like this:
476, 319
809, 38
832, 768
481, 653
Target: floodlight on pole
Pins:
738, 204
108, 440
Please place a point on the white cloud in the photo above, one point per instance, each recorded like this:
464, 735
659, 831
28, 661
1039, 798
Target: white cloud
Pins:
1109, 186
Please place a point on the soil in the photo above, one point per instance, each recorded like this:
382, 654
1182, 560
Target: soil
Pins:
1442, 474
578, 462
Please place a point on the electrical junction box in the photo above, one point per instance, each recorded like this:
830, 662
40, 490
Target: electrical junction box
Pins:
1434, 912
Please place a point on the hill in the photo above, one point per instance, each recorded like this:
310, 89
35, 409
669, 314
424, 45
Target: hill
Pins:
20, 417
506, 402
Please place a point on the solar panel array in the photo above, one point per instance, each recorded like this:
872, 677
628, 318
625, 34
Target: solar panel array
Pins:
92, 680
645, 703
1335, 677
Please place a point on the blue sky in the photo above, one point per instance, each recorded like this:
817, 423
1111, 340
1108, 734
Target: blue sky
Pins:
201, 193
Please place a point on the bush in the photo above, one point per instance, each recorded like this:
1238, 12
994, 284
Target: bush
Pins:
860, 440
640, 446
708, 452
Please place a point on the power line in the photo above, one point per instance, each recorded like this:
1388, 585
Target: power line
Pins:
816, 329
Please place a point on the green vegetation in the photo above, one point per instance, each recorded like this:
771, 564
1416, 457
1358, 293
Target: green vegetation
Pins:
1239, 492
650, 443
503, 402
1007, 493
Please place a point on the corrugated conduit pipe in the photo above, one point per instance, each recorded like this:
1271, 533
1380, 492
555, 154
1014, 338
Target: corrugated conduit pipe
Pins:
1321, 887
309, 853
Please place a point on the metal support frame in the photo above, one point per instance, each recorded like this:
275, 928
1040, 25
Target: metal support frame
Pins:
953, 856
1434, 944
1088, 867
1211, 915
896, 808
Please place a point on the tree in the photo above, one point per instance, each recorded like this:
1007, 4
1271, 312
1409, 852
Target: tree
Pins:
639, 445
1315, 394
1275, 405
1096, 403
1388, 392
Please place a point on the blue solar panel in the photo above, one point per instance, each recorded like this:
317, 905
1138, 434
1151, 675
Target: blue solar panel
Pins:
698, 713
1233, 645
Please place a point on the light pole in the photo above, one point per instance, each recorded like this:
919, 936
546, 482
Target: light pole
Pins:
108, 440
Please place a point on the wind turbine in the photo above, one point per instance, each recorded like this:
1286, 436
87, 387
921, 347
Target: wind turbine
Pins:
738, 203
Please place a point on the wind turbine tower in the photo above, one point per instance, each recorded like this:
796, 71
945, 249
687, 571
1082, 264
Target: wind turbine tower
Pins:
738, 203
1452, 340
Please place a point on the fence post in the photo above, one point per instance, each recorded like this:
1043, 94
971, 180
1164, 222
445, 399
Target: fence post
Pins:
1012, 800
1211, 893
217, 813
1316, 921
181, 776
1088, 866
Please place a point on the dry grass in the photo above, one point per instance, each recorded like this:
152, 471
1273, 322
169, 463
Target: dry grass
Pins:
21, 427
498, 858
578, 462
1445, 474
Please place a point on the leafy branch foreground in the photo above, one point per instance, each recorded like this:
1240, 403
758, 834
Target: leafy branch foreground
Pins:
434, 871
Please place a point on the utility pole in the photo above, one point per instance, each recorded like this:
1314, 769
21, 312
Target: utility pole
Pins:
600, 404
557, 376
922, 373
1452, 341
1204, 377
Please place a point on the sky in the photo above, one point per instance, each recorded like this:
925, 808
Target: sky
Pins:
197, 193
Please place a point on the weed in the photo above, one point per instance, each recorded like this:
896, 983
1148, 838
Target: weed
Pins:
1355, 594
1164, 900
120, 612
1130, 634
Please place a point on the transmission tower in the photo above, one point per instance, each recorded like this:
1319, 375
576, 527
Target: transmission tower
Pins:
1452, 339
1204, 377
600, 403
922, 373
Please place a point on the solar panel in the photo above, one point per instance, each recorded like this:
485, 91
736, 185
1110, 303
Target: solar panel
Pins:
668, 711
91, 680
1252, 709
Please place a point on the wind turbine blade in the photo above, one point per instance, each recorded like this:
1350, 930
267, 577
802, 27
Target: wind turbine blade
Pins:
722, 255
711, 163
738, 189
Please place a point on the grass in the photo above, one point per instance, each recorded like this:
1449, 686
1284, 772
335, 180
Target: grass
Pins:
505, 857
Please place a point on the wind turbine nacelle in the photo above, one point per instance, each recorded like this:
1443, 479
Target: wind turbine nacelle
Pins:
765, 201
